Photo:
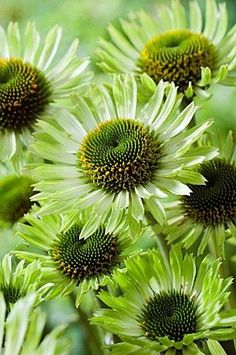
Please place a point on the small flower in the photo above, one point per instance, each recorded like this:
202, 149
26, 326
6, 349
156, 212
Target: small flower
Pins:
22, 332
15, 193
31, 80
70, 260
17, 282
174, 46
157, 304
116, 156
210, 210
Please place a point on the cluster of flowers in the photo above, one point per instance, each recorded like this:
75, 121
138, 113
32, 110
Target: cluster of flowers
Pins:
91, 170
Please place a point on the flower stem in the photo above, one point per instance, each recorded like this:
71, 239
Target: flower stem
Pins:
224, 273
160, 237
92, 335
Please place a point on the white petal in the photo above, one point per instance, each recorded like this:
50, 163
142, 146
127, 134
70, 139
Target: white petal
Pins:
174, 186
14, 40
70, 124
211, 19
50, 48
222, 24
4, 49
120, 40
7, 146
195, 16
151, 109
125, 95
180, 122
167, 107
65, 61
31, 43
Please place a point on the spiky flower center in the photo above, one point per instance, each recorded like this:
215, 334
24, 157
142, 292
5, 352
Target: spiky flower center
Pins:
169, 313
11, 294
15, 193
24, 94
84, 258
119, 155
215, 202
178, 56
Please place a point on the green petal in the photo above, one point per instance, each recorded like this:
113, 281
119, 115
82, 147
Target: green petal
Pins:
215, 347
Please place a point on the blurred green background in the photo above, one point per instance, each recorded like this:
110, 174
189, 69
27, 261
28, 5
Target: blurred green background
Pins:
87, 20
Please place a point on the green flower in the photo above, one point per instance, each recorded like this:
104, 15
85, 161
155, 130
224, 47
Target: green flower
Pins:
68, 260
208, 214
117, 156
17, 282
158, 305
174, 45
30, 80
21, 334
15, 193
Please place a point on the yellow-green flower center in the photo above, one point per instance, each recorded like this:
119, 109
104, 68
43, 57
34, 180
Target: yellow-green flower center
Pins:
177, 56
84, 258
119, 155
15, 193
215, 202
171, 314
24, 94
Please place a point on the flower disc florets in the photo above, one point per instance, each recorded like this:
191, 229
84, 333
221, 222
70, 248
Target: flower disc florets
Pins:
171, 314
119, 155
85, 258
215, 202
24, 93
11, 294
178, 56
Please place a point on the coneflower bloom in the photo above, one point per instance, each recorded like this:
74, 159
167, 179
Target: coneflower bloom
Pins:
32, 77
70, 261
170, 306
192, 49
209, 212
117, 156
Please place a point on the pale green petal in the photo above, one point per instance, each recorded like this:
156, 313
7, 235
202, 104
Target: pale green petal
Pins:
8, 146
50, 48
215, 347
222, 23
156, 209
13, 37
2, 317
4, 48
125, 91
17, 324
31, 42
211, 19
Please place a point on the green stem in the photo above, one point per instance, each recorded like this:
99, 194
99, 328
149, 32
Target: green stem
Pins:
224, 273
92, 336
160, 237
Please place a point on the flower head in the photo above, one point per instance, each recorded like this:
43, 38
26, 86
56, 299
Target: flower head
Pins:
22, 332
17, 282
30, 80
15, 193
174, 46
117, 156
166, 304
209, 212
71, 260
